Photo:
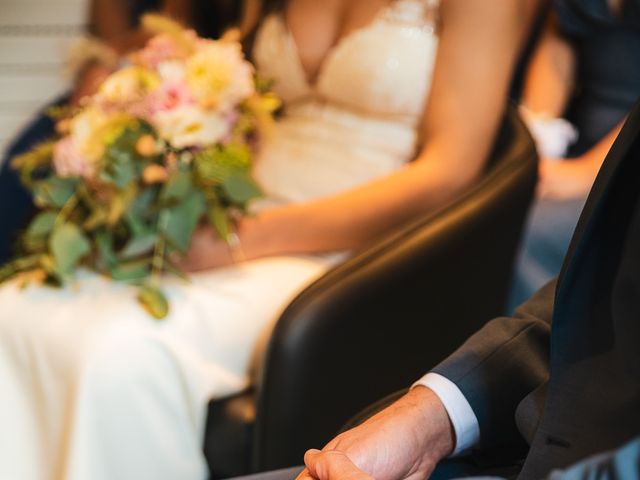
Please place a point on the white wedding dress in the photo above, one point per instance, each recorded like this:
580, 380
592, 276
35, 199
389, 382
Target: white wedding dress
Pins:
93, 389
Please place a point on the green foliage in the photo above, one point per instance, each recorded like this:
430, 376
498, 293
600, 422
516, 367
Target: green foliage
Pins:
240, 188
42, 224
68, 245
154, 301
139, 245
132, 272
177, 187
181, 220
216, 164
220, 220
122, 163
54, 191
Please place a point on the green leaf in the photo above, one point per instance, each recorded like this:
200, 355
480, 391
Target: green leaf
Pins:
134, 272
178, 186
179, 222
215, 165
104, 242
241, 188
55, 191
220, 220
68, 245
42, 224
139, 245
154, 301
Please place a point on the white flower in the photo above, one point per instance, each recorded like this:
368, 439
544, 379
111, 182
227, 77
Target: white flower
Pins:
171, 71
190, 126
218, 75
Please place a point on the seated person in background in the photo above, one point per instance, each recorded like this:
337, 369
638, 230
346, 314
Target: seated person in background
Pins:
562, 380
586, 69
358, 152
115, 23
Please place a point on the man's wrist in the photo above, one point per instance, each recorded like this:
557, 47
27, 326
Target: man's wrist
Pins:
434, 424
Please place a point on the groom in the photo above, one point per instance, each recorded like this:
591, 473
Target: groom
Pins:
561, 378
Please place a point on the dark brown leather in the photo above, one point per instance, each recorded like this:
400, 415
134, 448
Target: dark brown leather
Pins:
373, 324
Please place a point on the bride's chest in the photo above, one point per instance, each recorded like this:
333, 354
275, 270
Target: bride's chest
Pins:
382, 68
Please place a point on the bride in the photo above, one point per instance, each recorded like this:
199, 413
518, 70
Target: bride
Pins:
92, 388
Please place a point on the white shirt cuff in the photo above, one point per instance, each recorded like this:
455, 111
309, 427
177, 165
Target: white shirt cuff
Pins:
464, 421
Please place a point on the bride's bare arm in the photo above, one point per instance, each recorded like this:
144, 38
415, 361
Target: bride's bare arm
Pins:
479, 44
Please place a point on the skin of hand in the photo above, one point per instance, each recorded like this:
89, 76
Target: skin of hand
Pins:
566, 179
207, 251
404, 441
475, 42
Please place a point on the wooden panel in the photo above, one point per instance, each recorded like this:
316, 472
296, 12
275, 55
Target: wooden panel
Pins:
42, 12
34, 50
31, 88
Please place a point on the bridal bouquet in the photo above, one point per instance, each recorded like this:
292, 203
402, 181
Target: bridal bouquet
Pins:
163, 146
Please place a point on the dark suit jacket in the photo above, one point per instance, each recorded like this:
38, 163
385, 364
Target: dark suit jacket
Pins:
567, 379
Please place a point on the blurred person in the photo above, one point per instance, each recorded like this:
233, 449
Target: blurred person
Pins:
582, 80
94, 388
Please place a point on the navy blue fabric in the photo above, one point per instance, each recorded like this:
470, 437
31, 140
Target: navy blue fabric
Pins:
16, 206
607, 48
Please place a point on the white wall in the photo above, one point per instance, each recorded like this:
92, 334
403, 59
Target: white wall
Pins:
34, 38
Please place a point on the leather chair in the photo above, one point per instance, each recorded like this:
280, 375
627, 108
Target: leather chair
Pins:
377, 322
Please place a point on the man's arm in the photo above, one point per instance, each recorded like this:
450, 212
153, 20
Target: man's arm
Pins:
501, 364
495, 369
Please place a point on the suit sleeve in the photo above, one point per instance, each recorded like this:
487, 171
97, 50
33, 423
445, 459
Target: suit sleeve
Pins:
501, 364
623, 463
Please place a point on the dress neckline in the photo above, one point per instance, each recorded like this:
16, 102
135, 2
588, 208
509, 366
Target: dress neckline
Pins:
312, 83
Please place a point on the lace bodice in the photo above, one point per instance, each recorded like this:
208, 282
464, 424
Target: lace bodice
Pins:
359, 119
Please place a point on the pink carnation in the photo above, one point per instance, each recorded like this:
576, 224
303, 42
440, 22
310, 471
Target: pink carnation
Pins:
68, 161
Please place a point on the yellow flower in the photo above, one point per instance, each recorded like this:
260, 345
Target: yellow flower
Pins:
128, 84
92, 130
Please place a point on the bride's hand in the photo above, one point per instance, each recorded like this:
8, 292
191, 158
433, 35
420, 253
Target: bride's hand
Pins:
207, 251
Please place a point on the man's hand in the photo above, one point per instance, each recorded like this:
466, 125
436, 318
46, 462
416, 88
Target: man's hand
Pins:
404, 441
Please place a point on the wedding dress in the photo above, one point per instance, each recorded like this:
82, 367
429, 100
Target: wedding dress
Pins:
92, 388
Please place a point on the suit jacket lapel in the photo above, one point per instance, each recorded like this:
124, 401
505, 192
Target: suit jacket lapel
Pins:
618, 153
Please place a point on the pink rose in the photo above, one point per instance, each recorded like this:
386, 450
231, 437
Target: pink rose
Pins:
68, 161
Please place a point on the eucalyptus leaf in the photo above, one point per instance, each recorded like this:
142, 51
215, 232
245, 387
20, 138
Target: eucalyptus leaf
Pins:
139, 245
220, 220
42, 224
134, 272
54, 191
154, 301
68, 245
104, 242
241, 188
180, 221
177, 187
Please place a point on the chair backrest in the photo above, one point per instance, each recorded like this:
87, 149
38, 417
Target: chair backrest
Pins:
377, 322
